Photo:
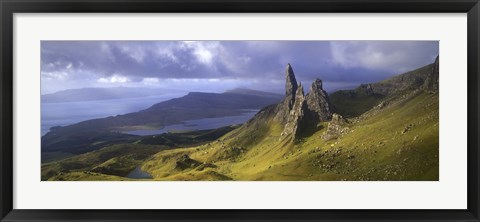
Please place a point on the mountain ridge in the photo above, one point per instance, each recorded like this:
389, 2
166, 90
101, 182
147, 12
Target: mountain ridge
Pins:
369, 95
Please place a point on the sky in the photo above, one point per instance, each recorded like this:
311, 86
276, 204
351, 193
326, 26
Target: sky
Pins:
217, 66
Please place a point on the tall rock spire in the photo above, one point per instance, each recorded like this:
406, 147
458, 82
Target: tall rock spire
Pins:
291, 83
318, 101
295, 114
291, 87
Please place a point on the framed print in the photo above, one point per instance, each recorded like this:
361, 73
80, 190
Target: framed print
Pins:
255, 111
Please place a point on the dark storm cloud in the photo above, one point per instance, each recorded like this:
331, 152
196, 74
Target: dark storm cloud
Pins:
90, 63
135, 60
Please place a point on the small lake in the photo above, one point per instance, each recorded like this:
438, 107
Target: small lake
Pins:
138, 173
199, 124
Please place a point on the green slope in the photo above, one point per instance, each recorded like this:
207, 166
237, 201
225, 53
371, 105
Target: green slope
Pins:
395, 142
116, 160
112, 162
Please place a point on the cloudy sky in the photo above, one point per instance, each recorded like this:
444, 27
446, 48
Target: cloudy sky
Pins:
216, 66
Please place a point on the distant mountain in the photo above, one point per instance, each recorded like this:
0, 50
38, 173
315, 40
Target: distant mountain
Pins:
79, 137
244, 91
90, 94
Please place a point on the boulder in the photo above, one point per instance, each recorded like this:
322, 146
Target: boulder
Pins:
336, 128
184, 162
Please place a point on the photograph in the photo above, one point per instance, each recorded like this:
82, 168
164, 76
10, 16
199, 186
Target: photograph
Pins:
280, 110
239, 110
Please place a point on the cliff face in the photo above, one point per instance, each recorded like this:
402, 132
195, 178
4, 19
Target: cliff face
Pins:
431, 82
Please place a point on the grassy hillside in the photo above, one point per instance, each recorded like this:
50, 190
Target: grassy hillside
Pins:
352, 103
116, 160
398, 141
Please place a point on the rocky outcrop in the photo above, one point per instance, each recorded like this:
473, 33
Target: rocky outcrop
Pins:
302, 113
431, 82
184, 162
286, 105
369, 89
290, 86
336, 128
318, 102
297, 114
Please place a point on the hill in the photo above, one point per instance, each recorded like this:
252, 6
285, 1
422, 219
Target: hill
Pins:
93, 134
114, 161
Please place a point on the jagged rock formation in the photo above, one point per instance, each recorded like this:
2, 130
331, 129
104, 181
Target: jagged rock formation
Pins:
431, 82
296, 117
291, 86
299, 112
318, 102
282, 110
336, 128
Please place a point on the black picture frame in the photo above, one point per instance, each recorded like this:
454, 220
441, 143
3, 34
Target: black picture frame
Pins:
9, 7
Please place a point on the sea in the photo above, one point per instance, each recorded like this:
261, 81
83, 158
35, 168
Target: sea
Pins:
67, 113
200, 124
